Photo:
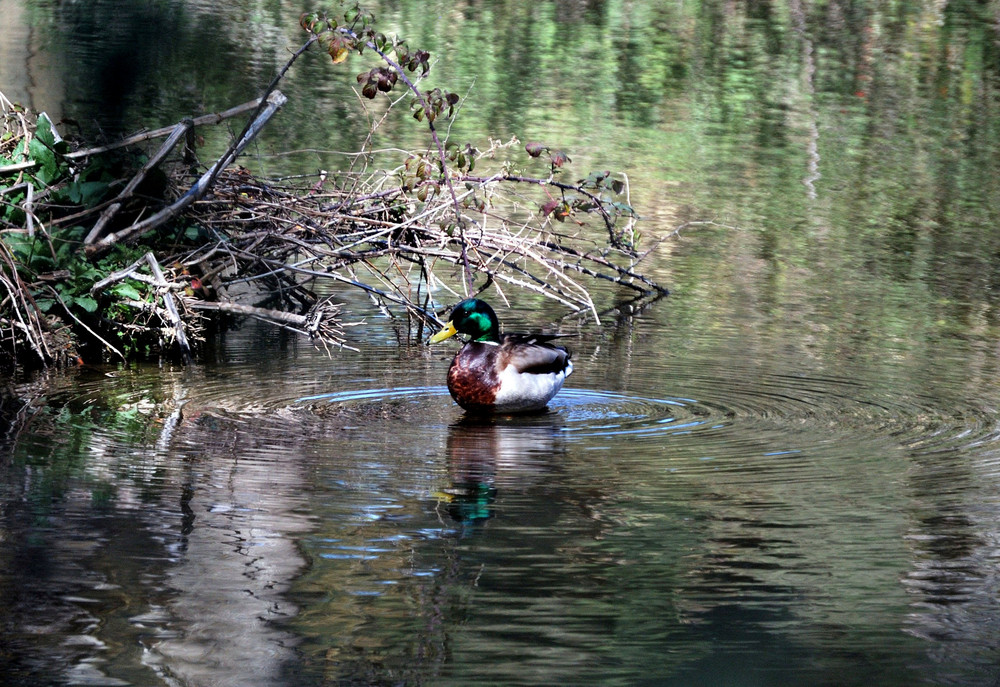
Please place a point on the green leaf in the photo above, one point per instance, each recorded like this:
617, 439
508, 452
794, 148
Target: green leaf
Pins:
42, 262
624, 208
46, 159
86, 193
13, 213
87, 303
43, 131
64, 251
125, 290
45, 304
20, 245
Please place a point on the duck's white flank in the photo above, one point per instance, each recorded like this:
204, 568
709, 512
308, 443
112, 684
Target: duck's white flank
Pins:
526, 391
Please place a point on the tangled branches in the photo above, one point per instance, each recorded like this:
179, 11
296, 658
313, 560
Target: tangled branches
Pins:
397, 237
84, 253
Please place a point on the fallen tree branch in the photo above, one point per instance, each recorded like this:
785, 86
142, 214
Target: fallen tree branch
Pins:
171, 307
275, 101
319, 324
276, 237
115, 277
211, 118
168, 145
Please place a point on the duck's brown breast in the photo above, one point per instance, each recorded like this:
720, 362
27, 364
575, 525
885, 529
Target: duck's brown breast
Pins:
472, 377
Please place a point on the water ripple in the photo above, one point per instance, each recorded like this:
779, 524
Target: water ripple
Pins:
781, 403
779, 416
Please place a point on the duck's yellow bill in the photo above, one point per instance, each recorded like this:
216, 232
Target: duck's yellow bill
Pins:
446, 333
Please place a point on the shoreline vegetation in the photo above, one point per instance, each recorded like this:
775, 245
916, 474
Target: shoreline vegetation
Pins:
118, 253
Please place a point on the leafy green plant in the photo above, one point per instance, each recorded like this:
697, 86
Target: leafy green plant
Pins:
54, 265
89, 187
43, 248
44, 149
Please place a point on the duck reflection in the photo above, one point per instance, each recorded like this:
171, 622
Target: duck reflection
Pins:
486, 453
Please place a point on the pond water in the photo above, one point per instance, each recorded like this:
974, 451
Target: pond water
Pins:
787, 472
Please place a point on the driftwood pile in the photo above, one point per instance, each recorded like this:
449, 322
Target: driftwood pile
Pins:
85, 258
415, 238
373, 233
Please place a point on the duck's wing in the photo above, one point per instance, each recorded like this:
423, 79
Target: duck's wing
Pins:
532, 353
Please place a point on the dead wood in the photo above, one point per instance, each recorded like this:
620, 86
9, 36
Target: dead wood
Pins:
400, 245
109, 213
274, 101
321, 324
180, 334
414, 238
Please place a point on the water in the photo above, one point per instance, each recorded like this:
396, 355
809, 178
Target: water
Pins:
214, 526
784, 473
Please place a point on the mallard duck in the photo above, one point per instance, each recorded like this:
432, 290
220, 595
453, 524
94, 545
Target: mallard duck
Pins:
503, 373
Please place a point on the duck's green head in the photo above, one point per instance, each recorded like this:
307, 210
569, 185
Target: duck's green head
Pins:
474, 318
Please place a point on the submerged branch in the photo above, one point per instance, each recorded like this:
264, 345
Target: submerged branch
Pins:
321, 324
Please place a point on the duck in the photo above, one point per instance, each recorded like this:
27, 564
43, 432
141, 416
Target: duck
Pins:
501, 373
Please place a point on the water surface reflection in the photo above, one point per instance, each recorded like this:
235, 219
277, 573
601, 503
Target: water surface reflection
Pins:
162, 548
606, 540
487, 455
217, 527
